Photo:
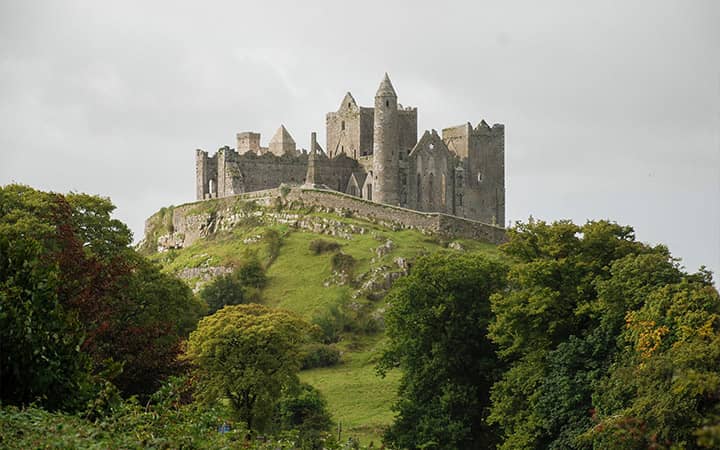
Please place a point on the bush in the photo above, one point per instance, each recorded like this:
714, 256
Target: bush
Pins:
273, 240
304, 409
320, 355
243, 285
342, 262
332, 323
318, 246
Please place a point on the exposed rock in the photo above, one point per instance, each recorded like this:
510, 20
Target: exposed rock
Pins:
203, 273
456, 246
384, 249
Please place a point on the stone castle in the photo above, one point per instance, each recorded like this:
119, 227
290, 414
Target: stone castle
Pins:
373, 153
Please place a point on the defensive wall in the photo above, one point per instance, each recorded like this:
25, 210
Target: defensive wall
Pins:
192, 221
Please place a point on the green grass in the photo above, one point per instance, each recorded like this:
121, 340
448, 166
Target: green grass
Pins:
357, 397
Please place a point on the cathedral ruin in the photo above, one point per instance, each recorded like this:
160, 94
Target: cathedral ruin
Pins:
373, 153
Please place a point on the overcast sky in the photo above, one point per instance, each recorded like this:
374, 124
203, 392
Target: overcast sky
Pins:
611, 108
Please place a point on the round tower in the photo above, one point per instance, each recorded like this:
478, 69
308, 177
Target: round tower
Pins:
386, 146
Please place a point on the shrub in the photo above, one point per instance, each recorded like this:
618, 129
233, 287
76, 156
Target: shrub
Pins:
331, 324
320, 355
273, 240
303, 408
342, 262
243, 285
318, 246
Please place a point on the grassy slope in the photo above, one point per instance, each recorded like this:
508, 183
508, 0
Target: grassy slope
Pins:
356, 396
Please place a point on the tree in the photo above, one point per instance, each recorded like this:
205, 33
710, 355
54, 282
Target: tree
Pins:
437, 327
75, 299
242, 285
304, 409
246, 354
664, 388
562, 326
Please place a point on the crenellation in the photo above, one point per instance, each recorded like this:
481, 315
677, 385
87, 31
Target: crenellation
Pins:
373, 153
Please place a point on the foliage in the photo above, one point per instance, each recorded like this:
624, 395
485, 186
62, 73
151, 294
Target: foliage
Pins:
318, 246
574, 311
332, 323
437, 326
273, 240
303, 408
73, 293
343, 263
665, 386
320, 355
242, 285
246, 354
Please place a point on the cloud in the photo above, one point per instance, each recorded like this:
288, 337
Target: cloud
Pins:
612, 109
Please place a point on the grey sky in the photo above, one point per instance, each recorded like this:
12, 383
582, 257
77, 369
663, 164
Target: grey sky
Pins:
612, 109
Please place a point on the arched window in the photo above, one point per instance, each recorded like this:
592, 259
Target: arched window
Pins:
342, 125
387, 103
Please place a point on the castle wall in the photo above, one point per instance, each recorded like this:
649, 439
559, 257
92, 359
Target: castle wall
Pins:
267, 171
407, 131
205, 175
335, 172
193, 221
431, 176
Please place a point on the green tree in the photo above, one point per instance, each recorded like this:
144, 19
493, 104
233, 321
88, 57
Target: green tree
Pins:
549, 329
242, 285
561, 327
76, 299
664, 388
304, 409
246, 354
437, 328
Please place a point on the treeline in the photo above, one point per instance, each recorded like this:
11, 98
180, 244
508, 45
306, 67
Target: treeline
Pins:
89, 327
580, 338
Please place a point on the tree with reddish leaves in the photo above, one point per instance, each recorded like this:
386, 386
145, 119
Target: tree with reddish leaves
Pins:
75, 297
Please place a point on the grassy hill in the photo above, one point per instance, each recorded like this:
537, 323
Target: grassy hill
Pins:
306, 282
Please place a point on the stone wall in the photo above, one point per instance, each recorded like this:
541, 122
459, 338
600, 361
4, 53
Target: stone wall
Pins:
193, 221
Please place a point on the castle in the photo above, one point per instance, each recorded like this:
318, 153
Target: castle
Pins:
373, 153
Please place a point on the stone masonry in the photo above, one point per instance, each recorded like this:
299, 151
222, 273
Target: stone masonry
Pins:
373, 153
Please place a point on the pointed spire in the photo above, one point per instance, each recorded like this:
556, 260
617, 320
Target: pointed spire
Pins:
282, 136
386, 88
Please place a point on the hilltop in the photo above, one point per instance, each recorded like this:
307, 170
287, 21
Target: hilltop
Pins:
282, 228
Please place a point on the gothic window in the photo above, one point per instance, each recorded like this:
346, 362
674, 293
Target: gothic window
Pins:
431, 146
480, 177
443, 190
387, 103
349, 105
431, 194
418, 191
342, 125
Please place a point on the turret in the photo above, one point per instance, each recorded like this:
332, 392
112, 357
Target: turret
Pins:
386, 145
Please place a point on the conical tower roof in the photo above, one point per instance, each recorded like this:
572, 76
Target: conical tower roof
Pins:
282, 136
386, 88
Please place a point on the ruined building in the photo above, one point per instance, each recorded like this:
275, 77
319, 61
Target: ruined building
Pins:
373, 153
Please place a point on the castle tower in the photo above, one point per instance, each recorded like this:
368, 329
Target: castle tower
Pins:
386, 146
